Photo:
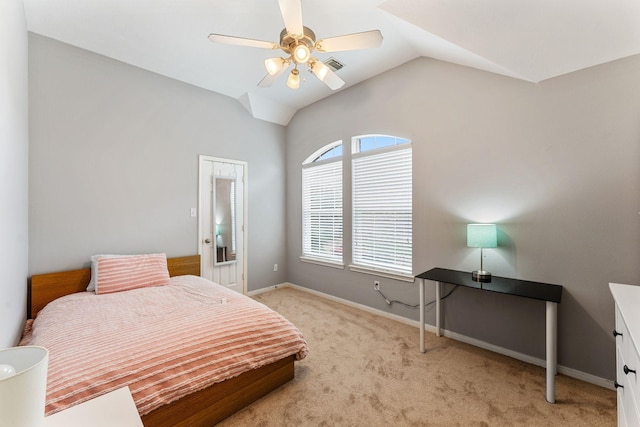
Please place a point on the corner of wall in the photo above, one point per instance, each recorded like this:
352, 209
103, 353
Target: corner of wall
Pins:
14, 164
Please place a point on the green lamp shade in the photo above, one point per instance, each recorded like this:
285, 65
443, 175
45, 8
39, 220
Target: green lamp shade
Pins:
482, 236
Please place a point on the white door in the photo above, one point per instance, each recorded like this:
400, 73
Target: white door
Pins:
222, 223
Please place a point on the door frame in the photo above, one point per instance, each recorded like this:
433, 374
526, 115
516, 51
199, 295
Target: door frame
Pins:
245, 215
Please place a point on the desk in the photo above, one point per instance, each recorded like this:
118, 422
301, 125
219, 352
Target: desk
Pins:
549, 293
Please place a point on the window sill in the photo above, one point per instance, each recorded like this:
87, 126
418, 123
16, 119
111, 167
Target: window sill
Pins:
322, 262
382, 273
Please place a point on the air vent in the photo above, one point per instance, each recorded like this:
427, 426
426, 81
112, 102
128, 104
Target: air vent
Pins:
334, 64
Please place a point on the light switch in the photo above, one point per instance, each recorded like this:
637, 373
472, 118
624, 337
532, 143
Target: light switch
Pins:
194, 212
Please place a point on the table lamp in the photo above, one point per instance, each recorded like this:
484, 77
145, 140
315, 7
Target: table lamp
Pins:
481, 236
219, 239
23, 385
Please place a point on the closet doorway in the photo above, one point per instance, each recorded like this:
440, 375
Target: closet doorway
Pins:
222, 221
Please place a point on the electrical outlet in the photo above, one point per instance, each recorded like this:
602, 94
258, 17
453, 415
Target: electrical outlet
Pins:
376, 285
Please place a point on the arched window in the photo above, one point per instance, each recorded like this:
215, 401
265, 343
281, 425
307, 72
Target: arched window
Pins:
322, 205
382, 204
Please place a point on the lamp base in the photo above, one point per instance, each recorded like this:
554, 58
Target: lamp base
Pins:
481, 276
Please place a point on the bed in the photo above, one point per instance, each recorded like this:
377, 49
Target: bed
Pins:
202, 407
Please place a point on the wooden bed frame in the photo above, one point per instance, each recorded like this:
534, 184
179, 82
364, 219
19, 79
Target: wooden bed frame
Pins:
203, 408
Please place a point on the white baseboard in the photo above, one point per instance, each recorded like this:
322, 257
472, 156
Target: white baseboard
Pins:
583, 376
268, 289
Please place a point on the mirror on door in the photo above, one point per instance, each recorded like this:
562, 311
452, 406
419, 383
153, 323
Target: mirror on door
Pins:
225, 220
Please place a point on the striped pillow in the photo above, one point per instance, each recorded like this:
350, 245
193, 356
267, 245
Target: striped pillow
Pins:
122, 273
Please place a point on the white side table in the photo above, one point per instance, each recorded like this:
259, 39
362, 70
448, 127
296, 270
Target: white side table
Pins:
112, 409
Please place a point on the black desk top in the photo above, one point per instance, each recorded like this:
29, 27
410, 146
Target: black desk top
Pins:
503, 285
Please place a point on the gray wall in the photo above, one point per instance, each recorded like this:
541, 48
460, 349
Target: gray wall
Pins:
14, 151
556, 165
114, 161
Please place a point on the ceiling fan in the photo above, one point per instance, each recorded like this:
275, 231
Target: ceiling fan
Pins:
298, 42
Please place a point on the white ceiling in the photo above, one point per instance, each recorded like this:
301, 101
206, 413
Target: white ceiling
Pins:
531, 40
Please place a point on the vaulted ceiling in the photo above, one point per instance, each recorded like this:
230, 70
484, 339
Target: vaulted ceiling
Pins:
532, 40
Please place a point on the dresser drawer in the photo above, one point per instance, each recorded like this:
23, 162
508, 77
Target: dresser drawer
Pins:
628, 411
627, 356
627, 348
627, 332
624, 340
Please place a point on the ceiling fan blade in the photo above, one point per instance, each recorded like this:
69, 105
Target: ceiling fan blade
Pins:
363, 40
269, 79
239, 41
325, 74
333, 81
291, 11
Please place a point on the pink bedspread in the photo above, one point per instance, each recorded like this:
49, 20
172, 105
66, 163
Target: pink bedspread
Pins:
163, 342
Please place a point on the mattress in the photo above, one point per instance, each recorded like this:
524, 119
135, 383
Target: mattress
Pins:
163, 342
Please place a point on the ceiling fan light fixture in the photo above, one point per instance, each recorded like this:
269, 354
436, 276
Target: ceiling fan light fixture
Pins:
319, 69
298, 43
294, 79
301, 54
273, 65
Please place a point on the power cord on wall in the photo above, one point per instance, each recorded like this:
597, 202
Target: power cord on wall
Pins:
390, 302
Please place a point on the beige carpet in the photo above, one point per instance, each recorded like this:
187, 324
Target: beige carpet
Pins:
366, 370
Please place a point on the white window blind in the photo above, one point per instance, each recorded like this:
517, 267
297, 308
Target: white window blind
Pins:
322, 211
382, 210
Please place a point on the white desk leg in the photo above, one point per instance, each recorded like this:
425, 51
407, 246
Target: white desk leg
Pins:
438, 309
422, 349
552, 350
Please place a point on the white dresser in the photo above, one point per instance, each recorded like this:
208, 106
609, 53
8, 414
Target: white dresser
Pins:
627, 334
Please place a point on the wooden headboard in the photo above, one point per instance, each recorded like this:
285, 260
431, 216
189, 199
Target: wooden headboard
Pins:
44, 288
